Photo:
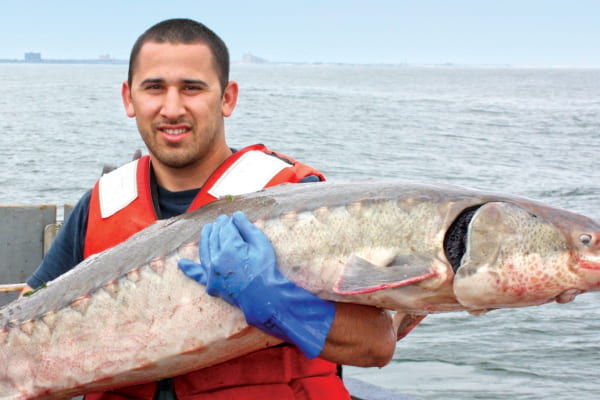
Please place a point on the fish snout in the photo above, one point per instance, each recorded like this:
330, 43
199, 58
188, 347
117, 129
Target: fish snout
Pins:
587, 249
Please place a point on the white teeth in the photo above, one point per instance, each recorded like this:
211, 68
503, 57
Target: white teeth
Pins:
174, 131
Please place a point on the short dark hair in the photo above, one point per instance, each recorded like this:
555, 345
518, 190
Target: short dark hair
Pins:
186, 31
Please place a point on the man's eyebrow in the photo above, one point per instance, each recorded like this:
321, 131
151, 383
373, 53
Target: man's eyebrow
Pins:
185, 81
195, 82
151, 80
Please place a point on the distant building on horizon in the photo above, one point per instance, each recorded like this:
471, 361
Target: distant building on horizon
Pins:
252, 59
33, 57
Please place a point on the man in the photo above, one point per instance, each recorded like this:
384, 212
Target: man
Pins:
178, 90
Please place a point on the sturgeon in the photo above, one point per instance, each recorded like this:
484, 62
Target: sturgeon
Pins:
129, 315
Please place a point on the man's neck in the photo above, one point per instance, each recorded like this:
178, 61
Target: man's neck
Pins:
191, 177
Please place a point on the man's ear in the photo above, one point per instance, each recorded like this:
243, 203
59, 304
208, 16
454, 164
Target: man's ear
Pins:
230, 96
127, 101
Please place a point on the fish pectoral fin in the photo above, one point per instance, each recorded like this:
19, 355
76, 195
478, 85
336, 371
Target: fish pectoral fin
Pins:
405, 323
361, 276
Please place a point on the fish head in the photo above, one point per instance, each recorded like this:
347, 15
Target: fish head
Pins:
523, 254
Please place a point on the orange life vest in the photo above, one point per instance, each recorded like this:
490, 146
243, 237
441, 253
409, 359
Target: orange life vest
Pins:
121, 205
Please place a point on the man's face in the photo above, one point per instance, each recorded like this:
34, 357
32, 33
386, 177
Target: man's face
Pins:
178, 103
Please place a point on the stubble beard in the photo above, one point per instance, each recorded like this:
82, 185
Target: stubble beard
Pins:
187, 153
178, 160
173, 155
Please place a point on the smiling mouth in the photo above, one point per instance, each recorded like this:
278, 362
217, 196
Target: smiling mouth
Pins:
174, 134
177, 131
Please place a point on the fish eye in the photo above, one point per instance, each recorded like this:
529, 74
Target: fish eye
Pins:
585, 239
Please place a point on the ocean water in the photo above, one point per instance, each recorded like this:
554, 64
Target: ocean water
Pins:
531, 132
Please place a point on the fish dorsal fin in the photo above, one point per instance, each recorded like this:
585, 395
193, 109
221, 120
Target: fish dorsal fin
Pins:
361, 276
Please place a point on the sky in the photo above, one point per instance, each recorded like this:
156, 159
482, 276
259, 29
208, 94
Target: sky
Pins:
513, 32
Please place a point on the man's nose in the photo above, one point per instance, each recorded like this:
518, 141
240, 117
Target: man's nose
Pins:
173, 107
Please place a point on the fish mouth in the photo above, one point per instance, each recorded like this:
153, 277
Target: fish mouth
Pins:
591, 265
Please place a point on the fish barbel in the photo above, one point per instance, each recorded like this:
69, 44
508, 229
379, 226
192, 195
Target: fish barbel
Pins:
129, 315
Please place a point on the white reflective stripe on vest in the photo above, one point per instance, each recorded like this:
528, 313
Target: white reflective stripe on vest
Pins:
250, 173
118, 189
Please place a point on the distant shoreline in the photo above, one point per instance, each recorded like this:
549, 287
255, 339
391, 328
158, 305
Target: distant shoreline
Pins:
244, 62
65, 61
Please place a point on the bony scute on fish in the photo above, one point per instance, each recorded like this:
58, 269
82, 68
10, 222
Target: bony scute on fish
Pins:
413, 248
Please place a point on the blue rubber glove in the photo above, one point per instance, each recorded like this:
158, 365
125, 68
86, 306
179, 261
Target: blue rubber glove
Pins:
238, 264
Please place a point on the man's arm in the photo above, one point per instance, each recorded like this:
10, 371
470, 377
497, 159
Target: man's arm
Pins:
360, 335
